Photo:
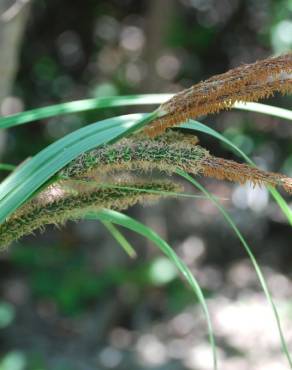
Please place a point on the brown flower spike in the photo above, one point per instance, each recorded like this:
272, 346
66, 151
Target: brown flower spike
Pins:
80, 187
249, 82
167, 153
103, 177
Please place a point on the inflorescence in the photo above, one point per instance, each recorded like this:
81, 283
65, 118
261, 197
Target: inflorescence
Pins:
119, 175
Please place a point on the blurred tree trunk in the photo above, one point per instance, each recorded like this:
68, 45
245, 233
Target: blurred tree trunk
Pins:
13, 16
159, 17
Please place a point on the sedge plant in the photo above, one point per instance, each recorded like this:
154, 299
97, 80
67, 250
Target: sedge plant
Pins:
108, 166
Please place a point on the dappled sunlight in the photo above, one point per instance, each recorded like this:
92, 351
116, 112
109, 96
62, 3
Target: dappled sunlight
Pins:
249, 196
151, 351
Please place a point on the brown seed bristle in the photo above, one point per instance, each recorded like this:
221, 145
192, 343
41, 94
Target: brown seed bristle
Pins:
221, 169
249, 82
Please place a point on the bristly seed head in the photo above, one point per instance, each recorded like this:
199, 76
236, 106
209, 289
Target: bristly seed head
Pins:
249, 82
81, 187
167, 153
71, 206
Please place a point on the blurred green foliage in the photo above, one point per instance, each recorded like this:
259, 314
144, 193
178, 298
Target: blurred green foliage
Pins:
67, 279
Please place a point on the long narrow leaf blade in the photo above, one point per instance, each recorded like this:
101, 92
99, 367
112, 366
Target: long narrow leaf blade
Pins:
136, 226
29, 177
7, 167
251, 256
81, 106
119, 101
265, 109
119, 237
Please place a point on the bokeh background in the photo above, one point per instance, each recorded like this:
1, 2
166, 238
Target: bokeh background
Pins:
70, 298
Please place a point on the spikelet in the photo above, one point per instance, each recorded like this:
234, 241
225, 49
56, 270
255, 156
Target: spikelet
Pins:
57, 209
249, 82
223, 169
168, 153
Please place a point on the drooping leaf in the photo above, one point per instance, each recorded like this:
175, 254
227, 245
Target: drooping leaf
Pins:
136, 226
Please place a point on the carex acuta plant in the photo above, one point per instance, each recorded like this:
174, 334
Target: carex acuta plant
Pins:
113, 164
162, 151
